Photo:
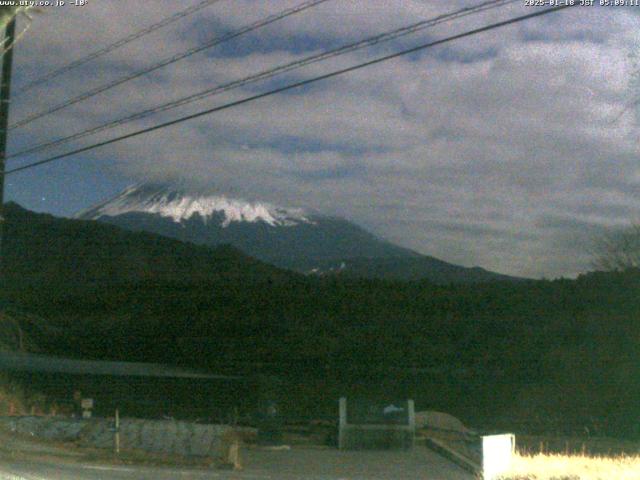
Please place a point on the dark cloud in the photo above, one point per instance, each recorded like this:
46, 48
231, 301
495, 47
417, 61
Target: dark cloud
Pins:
496, 151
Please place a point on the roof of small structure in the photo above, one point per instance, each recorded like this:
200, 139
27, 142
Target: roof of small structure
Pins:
28, 362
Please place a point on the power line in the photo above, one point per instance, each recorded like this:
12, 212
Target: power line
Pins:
335, 73
265, 74
167, 61
123, 41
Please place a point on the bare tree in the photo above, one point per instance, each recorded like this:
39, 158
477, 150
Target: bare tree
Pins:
617, 249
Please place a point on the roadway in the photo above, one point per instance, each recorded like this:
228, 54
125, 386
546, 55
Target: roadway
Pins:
299, 463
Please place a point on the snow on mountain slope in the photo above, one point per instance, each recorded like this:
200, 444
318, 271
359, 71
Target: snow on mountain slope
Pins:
289, 238
179, 206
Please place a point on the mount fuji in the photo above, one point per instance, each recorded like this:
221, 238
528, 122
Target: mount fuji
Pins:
291, 238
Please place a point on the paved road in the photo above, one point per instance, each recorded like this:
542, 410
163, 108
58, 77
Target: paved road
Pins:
48, 471
295, 464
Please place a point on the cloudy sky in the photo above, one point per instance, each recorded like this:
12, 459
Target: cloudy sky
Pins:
505, 150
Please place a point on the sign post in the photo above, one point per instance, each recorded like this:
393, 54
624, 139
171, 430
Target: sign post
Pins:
86, 404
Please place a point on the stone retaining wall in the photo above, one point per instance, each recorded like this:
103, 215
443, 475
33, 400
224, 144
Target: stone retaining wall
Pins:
161, 436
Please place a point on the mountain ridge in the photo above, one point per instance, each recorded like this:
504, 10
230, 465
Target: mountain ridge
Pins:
40, 249
293, 238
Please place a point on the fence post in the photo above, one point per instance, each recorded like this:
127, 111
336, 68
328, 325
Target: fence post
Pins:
343, 422
412, 421
117, 432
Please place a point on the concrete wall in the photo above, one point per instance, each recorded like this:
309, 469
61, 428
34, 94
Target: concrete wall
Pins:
358, 437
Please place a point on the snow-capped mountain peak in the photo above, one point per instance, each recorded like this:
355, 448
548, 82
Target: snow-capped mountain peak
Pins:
180, 206
291, 238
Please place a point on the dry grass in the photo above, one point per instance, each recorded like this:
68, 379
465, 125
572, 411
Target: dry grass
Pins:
573, 467
13, 400
572, 445
18, 400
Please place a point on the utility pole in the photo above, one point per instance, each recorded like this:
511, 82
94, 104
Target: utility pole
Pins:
5, 90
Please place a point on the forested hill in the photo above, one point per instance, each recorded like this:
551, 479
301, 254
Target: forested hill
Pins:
535, 355
43, 250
